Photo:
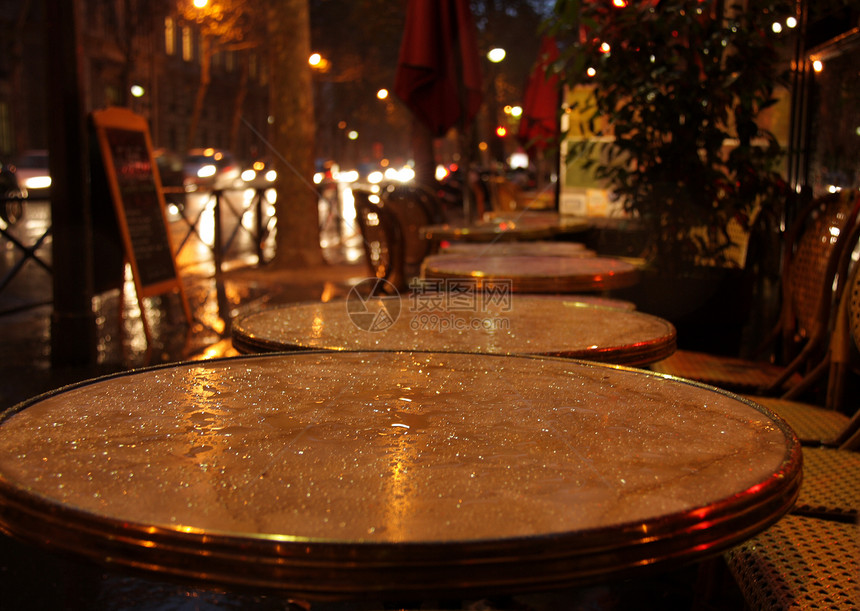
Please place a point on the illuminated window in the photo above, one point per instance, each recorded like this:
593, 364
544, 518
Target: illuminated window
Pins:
229, 60
187, 45
169, 36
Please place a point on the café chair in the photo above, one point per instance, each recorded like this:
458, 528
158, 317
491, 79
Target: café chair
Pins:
382, 240
831, 484
413, 208
799, 563
811, 558
814, 425
829, 424
422, 195
811, 256
505, 196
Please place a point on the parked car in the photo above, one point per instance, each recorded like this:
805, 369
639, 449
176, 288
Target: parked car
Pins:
210, 169
32, 173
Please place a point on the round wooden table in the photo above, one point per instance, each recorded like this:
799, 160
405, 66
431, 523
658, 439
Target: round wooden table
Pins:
508, 226
526, 324
506, 249
534, 273
392, 475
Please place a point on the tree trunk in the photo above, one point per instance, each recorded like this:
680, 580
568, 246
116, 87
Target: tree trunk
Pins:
205, 77
238, 102
293, 133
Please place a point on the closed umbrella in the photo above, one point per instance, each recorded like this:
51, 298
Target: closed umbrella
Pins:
439, 70
539, 121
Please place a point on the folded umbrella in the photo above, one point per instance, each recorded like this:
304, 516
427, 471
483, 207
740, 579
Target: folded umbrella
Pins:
539, 121
439, 73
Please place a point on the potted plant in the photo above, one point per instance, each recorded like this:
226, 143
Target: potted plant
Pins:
676, 90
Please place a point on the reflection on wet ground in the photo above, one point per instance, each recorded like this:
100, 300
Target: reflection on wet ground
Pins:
25, 300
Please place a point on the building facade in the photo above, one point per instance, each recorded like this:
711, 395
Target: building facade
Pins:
140, 56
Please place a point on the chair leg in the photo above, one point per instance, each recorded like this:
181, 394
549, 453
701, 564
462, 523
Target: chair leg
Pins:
808, 380
791, 368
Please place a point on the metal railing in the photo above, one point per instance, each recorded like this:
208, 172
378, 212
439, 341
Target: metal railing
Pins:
258, 230
29, 252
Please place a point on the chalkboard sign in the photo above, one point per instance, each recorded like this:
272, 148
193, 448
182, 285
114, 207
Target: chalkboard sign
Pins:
135, 188
142, 206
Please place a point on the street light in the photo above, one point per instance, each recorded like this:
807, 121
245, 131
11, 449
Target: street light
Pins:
496, 55
318, 62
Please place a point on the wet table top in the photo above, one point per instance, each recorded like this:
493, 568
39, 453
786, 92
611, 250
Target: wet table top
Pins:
508, 226
502, 324
534, 273
389, 474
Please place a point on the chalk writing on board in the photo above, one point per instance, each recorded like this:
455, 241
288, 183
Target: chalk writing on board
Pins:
142, 206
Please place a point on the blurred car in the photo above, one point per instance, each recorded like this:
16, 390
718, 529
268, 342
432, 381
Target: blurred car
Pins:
259, 175
33, 175
171, 168
11, 206
210, 169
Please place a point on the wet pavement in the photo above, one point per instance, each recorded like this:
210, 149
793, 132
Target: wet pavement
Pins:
214, 299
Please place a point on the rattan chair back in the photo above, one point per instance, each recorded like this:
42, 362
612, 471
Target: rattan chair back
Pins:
811, 267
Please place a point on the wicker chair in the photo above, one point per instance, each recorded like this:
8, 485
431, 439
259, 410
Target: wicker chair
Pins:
799, 563
811, 558
830, 425
383, 241
831, 484
812, 254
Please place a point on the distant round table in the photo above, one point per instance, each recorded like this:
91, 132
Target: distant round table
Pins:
534, 273
508, 226
522, 324
393, 475
505, 249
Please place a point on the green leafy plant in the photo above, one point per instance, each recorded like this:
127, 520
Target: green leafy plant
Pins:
677, 87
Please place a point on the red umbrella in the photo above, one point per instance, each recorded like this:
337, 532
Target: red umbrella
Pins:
439, 70
539, 121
